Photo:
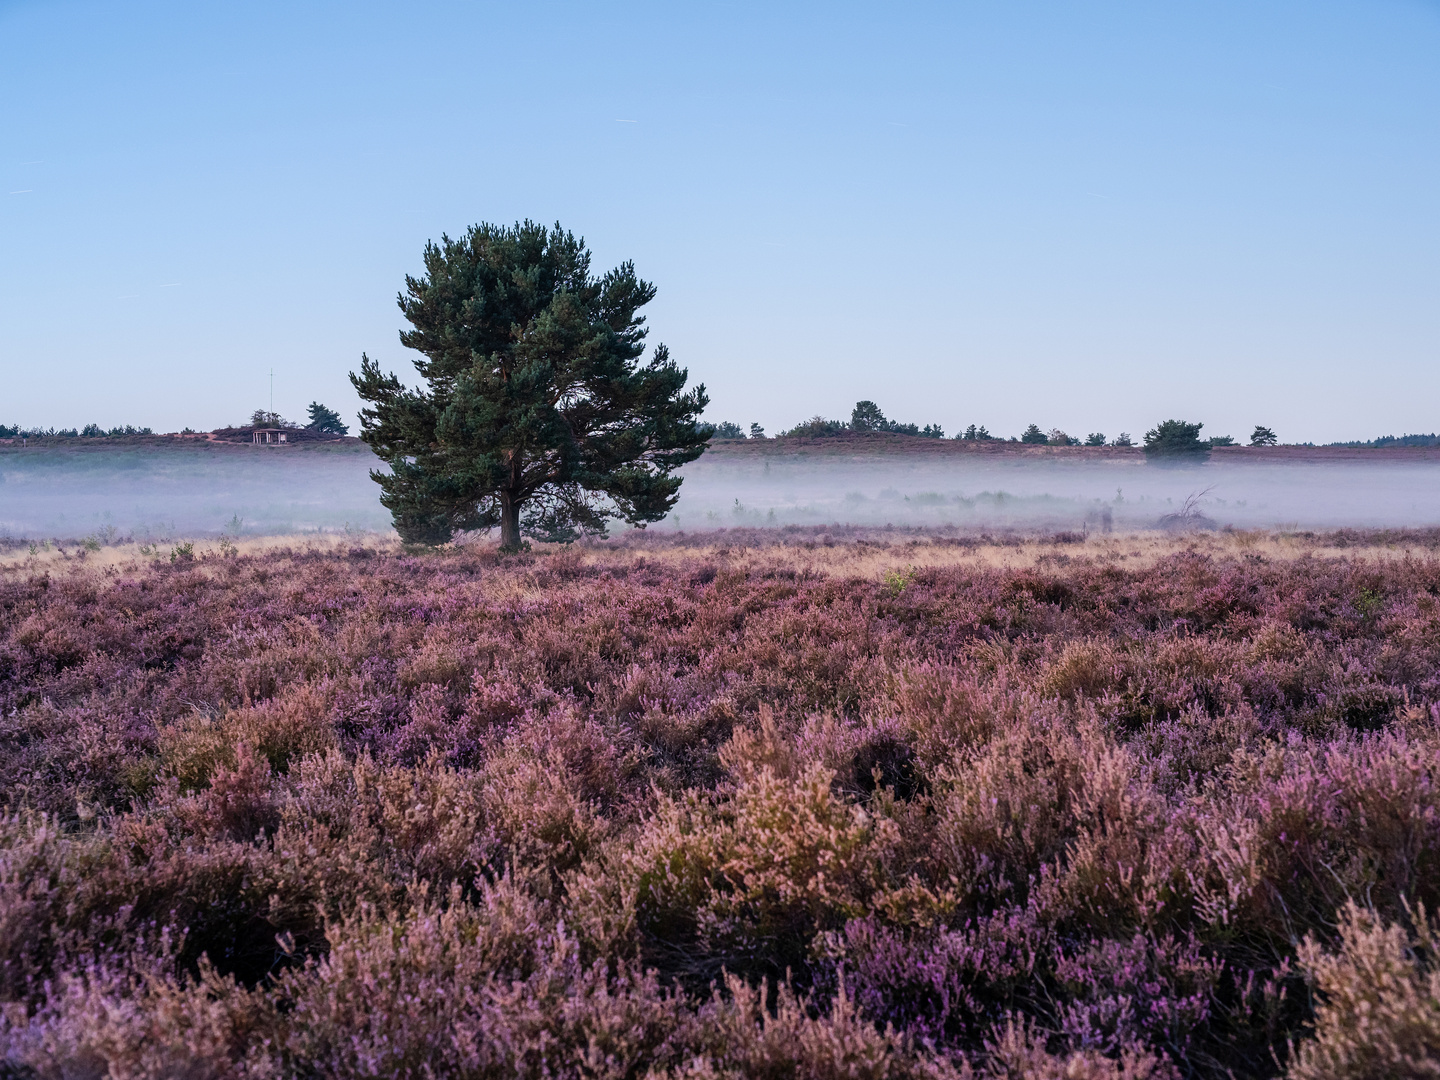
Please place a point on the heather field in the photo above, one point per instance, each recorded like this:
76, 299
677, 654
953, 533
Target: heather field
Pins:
796, 802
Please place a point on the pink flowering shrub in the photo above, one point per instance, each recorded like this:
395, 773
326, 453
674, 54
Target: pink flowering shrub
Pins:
1379, 1008
660, 807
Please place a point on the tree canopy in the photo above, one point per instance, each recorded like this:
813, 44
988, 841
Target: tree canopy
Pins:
866, 416
537, 415
1176, 442
326, 421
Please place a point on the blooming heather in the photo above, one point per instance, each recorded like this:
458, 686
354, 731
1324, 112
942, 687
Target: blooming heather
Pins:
668, 807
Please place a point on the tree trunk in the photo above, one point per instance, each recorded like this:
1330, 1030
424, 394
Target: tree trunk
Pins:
509, 522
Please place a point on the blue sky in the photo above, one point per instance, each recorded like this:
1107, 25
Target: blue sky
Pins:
1086, 215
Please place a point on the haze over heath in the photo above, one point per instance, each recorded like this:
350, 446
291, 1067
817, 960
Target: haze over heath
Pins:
1089, 216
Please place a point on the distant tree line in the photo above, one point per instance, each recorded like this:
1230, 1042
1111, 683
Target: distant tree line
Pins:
866, 417
1393, 440
1170, 441
323, 421
89, 431
1034, 436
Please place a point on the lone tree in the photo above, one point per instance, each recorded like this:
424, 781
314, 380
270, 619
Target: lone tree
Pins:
1263, 436
537, 416
866, 416
326, 421
1176, 442
1034, 436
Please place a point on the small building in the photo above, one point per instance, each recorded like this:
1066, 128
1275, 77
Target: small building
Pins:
268, 436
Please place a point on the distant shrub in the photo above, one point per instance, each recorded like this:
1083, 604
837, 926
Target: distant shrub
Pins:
1263, 436
727, 429
10, 432
1034, 436
264, 418
1095, 438
818, 426
1123, 439
756, 431
976, 434
1056, 437
1221, 440
1379, 1008
897, 581
1176, 442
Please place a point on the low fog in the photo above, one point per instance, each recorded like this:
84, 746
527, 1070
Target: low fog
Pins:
1076, 491
160, 492
204, 489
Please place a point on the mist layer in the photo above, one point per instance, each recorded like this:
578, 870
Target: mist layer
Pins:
208, 489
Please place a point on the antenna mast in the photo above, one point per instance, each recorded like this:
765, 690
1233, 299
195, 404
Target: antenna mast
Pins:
272, 390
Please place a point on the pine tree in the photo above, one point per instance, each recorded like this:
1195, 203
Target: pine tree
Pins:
867, 416
326, 421
1176, 442
537, 415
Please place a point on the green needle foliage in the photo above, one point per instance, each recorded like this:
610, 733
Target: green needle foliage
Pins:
1176, 442
867, 417
537, 415
326, 421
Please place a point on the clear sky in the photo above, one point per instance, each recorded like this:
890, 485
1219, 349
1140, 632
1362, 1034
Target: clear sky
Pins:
1084, 214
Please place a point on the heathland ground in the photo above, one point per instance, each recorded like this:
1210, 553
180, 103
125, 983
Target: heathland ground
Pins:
820, 802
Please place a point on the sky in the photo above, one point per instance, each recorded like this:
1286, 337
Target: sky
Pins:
1086, 215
